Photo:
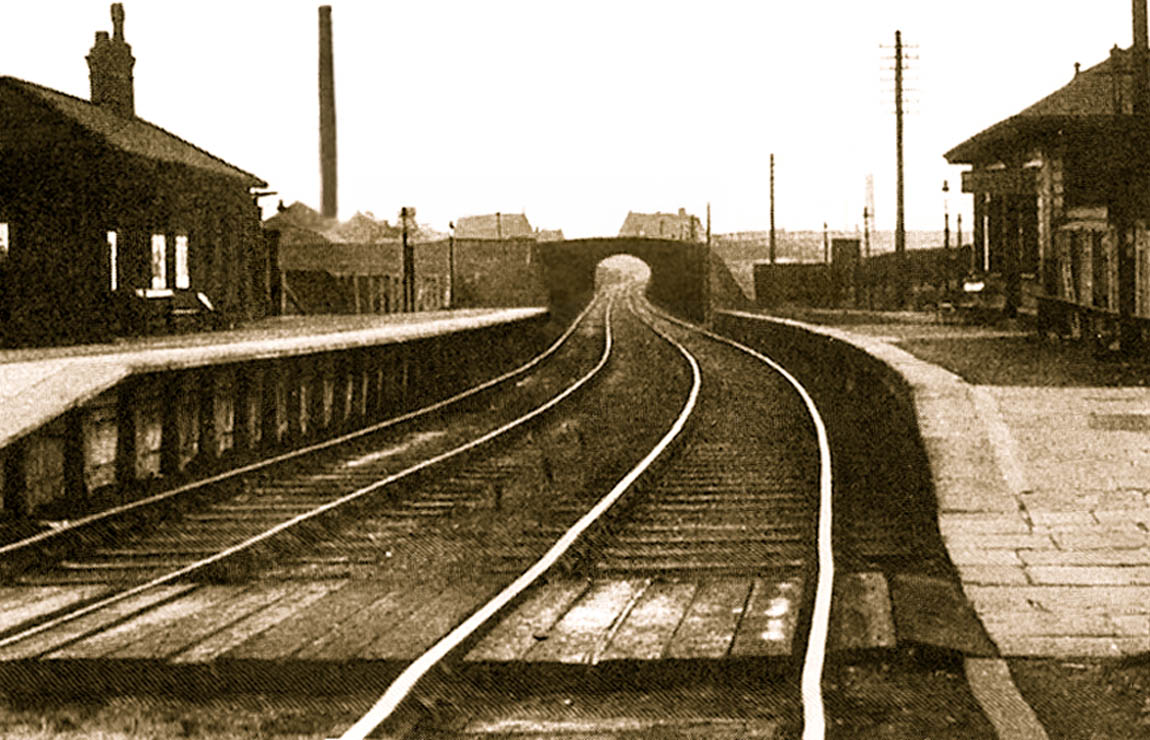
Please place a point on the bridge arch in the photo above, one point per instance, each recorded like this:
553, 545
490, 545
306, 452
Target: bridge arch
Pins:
678, 272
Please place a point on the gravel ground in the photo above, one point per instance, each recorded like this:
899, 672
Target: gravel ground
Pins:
1087, 700
1002, 352
243, 716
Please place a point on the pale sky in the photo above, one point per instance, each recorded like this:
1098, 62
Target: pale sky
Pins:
576, 112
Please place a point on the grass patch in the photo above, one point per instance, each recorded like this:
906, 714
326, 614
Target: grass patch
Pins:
993, 352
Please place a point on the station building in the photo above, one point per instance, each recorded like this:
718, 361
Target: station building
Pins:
1062, 197
101, 211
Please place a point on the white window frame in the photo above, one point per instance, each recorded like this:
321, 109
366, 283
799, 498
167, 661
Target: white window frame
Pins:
113, 255
159, 262
183, 278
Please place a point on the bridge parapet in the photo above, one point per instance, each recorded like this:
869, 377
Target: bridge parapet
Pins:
678, 271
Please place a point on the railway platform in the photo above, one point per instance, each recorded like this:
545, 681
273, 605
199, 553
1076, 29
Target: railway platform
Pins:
79, 422
1043, 497
39, 384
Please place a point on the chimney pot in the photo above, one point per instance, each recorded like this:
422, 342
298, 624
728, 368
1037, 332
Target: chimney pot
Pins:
118, 21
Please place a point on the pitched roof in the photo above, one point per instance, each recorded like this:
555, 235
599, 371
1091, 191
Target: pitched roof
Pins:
660, 225
549, 235
362, 228
131, 135
1096, 95
493, 226
297, 214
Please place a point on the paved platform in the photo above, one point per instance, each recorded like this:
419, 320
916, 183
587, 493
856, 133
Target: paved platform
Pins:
1044, 504
39, 384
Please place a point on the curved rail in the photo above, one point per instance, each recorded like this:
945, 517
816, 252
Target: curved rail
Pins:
342, 500
399, 690
814, 713
106, 514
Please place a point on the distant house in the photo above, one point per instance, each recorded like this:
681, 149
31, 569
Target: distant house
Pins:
1062, 191
680, 226
298, 224
494, 226
364, 228
355, 266
548, 235
97, 204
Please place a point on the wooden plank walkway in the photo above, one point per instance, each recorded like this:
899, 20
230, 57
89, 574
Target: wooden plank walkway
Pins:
563, 622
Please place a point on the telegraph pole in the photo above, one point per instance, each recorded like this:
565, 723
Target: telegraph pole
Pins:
900, 223
866, 251
706, 270
772, 208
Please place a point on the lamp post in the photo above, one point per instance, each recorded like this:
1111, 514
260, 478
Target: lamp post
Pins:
451, 266
946, 235
945, 214
408, 262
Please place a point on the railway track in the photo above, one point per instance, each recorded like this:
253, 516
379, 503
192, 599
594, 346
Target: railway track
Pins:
501, 593
703, 563
263, 510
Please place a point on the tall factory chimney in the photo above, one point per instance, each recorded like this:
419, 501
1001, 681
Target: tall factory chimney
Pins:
1141, 60
327, 115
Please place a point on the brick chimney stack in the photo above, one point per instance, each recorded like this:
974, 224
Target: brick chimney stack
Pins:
1140, 40
1141, 60
110, 65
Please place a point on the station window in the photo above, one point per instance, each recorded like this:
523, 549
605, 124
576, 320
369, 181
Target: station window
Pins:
183, 279
159, 262
112, 257
3, 240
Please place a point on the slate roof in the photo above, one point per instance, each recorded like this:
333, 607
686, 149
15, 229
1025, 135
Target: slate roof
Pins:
660, 225
487, 226
549, 235
1100, 94
131, 135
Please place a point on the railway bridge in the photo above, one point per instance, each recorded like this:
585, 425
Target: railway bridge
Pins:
679, 271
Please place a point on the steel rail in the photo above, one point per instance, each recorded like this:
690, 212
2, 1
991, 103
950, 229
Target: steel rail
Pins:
115, 511
403, 685
333, 504
814, 711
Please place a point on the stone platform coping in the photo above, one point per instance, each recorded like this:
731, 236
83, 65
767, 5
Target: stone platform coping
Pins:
38, 385
1043, 504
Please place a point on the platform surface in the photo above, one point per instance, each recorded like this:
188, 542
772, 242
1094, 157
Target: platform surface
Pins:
39, 384
1043, 501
